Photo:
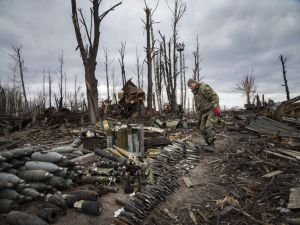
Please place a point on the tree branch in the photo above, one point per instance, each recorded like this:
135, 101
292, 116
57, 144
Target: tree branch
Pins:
77, 32
101, 17
85, 26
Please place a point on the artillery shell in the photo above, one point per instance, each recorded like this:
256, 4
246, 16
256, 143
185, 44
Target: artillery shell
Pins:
12, 171
5, 184
6, 165
131, 217
67, 163
111, 189
11, 194
36, 165
16, 162
77, 152
21, 152
34, 175
50, 215
56, 200
21, 218
62, 149
7, 205
61, 211
70, 199
59, 182
53, 157
89, 207
20, 187
63, 173
125, 220
31, 193
7, 155
2, 159
39, 186
10, 178
84, 194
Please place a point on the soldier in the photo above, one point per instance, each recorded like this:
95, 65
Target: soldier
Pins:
208, 110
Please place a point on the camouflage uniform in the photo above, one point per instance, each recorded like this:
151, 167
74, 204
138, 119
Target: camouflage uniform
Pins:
206, 100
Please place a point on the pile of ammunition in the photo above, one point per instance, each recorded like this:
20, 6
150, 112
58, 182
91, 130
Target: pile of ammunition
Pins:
165, 169
27, 173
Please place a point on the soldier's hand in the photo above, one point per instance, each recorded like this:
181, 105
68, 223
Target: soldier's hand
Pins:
217, 112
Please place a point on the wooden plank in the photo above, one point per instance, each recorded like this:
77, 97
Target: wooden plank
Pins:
168, 213
155, 129
272, 174
193, 217
294, 198
281, 156
291, 153
187, 182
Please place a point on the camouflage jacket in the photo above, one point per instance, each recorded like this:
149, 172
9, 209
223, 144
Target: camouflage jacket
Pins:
205, 98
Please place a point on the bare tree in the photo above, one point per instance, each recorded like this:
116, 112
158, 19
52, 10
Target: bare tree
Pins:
89, 50
197, 61
19, 62
44, 89
106, 64
178, 11
184, 81
65, 76
121, 62
158, 75
138, 69
50, 87
180, 49
60, 81
150, 43
76, 92
283, 60
247, 85
114, 84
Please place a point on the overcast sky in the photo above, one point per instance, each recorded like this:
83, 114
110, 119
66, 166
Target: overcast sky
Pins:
236, 37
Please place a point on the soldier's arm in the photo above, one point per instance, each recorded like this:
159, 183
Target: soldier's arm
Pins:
211, 95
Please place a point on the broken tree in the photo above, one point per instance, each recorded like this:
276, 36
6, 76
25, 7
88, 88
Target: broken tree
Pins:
89, 51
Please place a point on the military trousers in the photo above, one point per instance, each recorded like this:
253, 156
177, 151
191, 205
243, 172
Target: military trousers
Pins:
207, 120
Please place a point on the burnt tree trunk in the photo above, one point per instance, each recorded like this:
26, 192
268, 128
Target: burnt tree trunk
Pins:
50, 88
121, 62
21, 67
89, 51
149, 59
197, 60
178, 11
184, 82
106, 64
283, 60
138, 70
92, 93
60, 83
44, 89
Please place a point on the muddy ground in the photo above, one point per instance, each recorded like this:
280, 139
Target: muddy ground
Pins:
233, 171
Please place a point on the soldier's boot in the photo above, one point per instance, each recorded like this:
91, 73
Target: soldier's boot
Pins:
210, 140
210, 147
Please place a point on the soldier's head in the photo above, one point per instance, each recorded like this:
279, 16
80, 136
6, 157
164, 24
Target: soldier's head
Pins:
192, 84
